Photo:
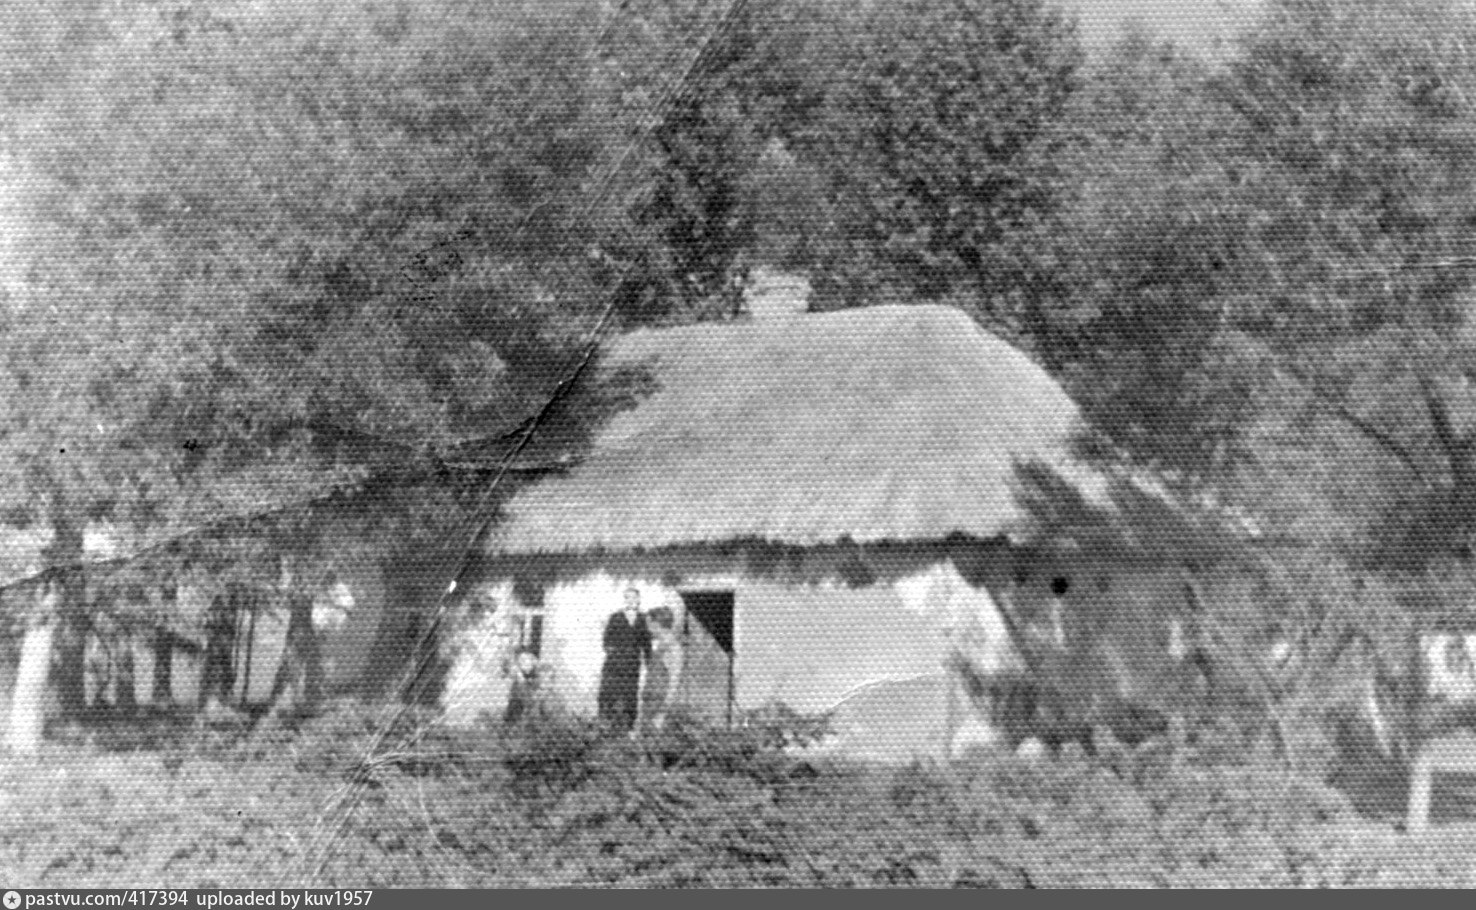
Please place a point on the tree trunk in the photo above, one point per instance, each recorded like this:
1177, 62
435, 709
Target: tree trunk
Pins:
28, 697
65, 554
299, 682
163, 645
71, 654
218, 676
249, 652
163, 691
124, 693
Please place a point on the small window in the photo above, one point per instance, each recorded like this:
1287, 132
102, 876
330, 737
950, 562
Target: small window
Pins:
530, 632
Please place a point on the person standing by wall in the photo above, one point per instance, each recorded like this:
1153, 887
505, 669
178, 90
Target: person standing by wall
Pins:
627, 643
524, 701
298, 686
663, 670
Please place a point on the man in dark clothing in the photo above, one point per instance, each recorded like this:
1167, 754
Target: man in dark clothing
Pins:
627, 643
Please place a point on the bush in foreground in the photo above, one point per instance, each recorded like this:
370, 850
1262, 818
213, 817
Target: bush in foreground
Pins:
357, 798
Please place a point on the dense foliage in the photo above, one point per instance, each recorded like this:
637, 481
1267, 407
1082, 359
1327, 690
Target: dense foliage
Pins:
336, 804
890, 150
271, 268
1269, 305
263, 265
261, 258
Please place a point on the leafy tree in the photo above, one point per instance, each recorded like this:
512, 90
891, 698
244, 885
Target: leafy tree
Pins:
1282, 274
884, 148
263, 255
941, 145
1271, 301
741, 83
1151, 230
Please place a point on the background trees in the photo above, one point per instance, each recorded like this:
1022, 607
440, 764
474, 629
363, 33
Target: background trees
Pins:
262, 255
943, 145
273, 260
893, 151
1272, 294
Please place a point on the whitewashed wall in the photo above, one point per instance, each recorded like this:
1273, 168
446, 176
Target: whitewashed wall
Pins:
574, 626
876, 655
1450, 665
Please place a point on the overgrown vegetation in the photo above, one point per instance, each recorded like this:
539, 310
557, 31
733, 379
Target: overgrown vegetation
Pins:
347, 799
267, 268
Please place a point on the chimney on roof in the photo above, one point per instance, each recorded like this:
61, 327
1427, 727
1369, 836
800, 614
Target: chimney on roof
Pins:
771, 294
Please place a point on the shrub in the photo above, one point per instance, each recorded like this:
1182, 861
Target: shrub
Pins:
334, 801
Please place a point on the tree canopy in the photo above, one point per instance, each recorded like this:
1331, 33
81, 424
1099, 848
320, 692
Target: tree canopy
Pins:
256, 255
251, 239
263, 256
1275, 281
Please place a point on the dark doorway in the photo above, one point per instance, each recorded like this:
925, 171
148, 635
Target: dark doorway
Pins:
706, 686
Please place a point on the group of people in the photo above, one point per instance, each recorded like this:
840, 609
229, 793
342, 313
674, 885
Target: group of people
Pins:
632, 639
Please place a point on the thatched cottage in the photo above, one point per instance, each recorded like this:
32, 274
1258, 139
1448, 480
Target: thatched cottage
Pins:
831, 504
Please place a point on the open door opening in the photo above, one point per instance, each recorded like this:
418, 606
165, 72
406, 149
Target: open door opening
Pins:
706, 685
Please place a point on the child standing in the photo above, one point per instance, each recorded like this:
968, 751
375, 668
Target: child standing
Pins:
523, 700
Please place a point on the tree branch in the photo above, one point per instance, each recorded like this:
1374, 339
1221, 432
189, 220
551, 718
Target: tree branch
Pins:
1341, 410
1457, 450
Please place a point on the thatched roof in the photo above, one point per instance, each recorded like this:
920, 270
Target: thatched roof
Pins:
888, 423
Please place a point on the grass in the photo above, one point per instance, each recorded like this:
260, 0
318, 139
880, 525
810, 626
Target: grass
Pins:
308, 804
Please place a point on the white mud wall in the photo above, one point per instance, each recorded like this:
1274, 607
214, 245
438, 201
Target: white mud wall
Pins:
877, 656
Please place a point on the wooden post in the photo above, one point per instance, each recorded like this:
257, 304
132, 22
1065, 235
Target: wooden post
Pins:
1420, 783
250, 649
163, 643
951, 708
125, 693
163, 689
218, 674
1453, 753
